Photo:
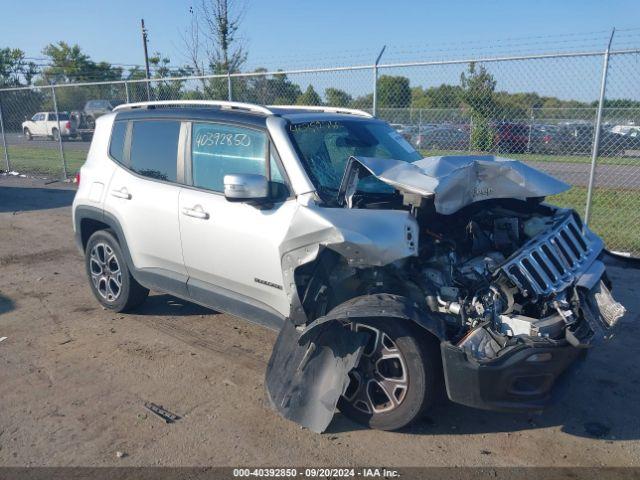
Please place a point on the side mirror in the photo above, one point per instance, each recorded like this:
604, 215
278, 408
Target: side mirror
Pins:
246, 187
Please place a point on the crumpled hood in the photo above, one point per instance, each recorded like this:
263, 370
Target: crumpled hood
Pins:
457, 181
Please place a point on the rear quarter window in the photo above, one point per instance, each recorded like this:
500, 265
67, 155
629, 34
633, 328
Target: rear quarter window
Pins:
154, 149
116, 146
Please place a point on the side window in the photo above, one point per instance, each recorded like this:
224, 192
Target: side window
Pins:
154, 149
218, 150
116, 147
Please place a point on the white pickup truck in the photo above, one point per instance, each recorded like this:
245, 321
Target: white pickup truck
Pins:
45, 124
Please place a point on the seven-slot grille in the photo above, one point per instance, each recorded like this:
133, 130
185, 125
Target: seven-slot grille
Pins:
552, 261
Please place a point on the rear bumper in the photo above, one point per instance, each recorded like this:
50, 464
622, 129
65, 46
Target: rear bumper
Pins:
514, 382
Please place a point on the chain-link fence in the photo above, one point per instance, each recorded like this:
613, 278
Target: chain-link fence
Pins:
542, 109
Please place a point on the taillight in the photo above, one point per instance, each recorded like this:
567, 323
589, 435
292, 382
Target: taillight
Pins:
68, 125
78, 178
546, 138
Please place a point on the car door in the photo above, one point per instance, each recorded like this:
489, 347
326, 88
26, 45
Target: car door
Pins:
143, 196
233, 247
50, 122
40, 124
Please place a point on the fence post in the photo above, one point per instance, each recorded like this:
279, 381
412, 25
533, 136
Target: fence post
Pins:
126, 91
530, 128
4, 139
596, 137
229, 94
55, 108
375, 81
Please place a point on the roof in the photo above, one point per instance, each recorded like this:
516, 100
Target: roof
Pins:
224, 110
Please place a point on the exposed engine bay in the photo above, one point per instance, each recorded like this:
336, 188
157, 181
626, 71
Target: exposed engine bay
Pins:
505, 269
496, 272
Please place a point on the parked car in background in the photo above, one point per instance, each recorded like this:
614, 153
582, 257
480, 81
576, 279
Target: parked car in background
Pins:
511, 137
85, 119
442, 137
48, 125
95, 108
541, 139
577, 139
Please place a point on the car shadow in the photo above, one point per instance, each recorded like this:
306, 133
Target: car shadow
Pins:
24, 199
589, 402
6, 304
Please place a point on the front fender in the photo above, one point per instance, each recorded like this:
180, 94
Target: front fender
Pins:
381, 305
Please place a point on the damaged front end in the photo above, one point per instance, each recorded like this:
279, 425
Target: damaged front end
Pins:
512, 288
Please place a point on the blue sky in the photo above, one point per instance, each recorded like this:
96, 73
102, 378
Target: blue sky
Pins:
292, 33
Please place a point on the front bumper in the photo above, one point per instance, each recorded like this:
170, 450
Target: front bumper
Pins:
513, 382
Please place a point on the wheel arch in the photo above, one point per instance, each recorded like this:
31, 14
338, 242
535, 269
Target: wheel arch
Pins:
89, 220
383, 306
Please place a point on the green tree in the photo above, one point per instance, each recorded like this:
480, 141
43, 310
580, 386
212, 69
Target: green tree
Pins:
309, 97
69, 64
444, 96
393, 92
337, 98
274, 89
213, 42
478, 87
14, 69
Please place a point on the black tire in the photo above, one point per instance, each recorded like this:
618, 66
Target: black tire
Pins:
420, 355
27, 133
101, 251
55, 134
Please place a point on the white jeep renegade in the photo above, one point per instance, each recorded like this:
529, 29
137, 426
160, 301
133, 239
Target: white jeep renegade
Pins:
386, 274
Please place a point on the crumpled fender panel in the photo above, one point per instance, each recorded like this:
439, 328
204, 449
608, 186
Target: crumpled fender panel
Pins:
306, 376
381, 305
309, 369
363, 237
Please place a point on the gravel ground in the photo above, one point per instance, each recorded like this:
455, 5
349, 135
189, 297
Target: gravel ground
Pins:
74, 379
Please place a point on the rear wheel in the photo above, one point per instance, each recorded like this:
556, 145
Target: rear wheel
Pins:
109, 276
397, 377
55, 134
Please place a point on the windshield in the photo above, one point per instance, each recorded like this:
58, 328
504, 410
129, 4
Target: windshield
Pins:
325, 147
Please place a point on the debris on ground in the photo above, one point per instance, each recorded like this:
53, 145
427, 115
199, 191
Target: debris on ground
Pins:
121, 454
159, 410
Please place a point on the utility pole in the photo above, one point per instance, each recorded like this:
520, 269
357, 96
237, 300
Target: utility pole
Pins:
146, 56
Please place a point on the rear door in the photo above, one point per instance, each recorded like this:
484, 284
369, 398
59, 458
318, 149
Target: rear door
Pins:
40, 124
234, 245
143, 196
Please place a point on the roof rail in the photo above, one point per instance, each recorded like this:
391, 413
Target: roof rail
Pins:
222, 104
348, 111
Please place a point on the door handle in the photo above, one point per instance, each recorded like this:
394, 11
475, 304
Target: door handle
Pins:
196, 212
122, 193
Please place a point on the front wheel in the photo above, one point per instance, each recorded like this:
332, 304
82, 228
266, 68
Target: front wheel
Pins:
110, 278
397, 378
27, 133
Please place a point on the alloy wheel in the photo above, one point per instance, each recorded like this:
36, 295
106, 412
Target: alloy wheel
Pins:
106, 274
380, 381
